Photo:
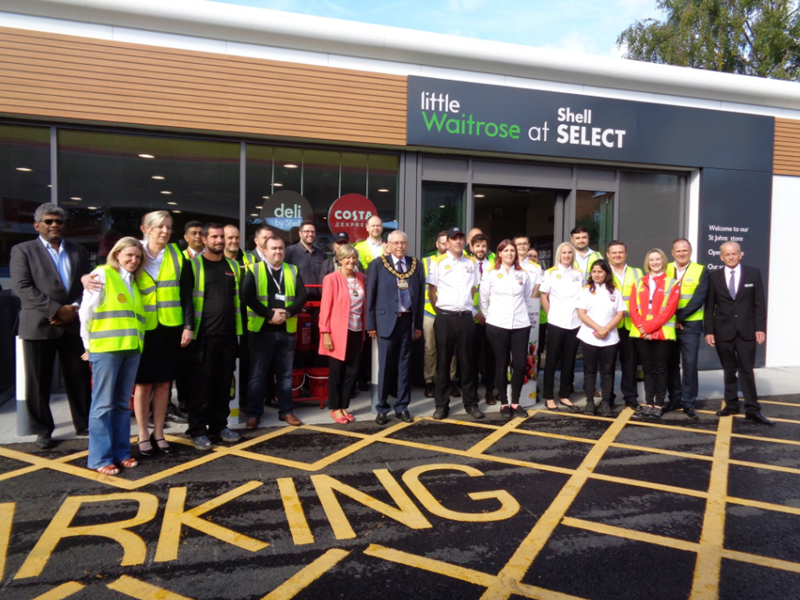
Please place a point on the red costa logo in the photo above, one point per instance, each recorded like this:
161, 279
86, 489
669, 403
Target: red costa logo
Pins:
350, 214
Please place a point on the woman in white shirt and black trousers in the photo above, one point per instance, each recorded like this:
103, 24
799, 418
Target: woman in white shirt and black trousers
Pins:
601, 308
504, 291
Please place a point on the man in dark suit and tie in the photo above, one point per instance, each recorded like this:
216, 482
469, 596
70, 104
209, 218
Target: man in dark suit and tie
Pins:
46, 274
735, 320
395, 304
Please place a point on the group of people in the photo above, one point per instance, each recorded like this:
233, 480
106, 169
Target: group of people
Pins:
154, 314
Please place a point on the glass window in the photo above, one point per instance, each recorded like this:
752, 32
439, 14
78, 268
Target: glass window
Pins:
24, 185
107, 182
595, 212
442, 208
650, 212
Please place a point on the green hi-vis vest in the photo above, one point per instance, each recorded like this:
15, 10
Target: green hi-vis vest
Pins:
199, 292
256, 321
249, 259
668, 329
426, 264
689, 283
162, 297
364, 254
593, 256
118, 323
632, 274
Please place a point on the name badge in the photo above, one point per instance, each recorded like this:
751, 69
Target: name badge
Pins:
748, 285
281, 297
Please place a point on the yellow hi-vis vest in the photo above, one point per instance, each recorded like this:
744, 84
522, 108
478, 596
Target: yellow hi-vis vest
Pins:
364, 254
199, 292
689, 283
668, 329
249, 259
162, 297
256, 321
118, 323
429, 310
632, 274
593, 256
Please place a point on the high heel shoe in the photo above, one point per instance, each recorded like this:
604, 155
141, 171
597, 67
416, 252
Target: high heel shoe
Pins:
156, 446
145, 452
341, 420
548, 407
569, 407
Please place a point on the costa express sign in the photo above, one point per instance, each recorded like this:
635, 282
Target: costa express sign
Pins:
349, 214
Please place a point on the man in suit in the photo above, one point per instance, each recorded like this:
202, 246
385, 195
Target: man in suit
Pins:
735, 320
395, 304
46, 274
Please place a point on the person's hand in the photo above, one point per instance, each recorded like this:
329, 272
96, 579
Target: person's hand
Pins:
601, 333
373, 333
85, 355
278, 317
186, 337
710, 340
647, 337
66, 315
481, 318
91, 283
761, 337
327, 341
679, 326
417, 334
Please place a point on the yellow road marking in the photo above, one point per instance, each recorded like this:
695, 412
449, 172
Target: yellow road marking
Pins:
298, 525
757, 438
63, 591
662, 451
792, 510
556, 436
495, 437
307, 575
744, 463
764, 561
6, 519
142, 591
650, 485
792, 404
632, 534
673, 427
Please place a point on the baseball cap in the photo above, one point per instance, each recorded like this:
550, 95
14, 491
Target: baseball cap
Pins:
453, 232
341, 237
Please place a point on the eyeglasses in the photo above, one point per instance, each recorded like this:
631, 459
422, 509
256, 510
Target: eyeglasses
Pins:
52, 221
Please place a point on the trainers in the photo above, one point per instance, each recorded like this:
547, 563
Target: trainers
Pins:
520, 412
201, 442
605, 410
590, 408
228, 435
505, 412
655, 412
645, 413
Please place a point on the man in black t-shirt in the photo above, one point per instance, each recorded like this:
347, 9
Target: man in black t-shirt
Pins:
213, 352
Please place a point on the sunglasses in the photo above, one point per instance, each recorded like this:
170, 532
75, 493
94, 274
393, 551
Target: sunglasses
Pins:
53, 221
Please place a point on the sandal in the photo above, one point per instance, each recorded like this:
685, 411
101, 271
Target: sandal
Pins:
129, 463
108, 470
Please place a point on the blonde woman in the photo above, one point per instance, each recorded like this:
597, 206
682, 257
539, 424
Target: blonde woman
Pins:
112, 328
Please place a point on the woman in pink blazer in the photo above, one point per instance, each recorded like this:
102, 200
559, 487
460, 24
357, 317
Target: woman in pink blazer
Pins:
341, 327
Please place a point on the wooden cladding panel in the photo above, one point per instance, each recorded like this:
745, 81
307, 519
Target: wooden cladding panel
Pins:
65, 77
787, 147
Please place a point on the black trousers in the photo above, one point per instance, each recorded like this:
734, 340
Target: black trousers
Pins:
599, 359
455, 334
39, 357
483, 349
629, 363
738, 357
563, 344
655, 361
213, 361
343, 373
510, 346
683, 379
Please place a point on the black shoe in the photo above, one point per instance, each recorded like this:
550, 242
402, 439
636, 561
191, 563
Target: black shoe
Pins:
165, 449
82, 432
406, 417
490, 399
637, 408
520, 412
363, 386
669, 408
656, 412
430, 389
605, 410
44, 441
174, 416
440, 413
455, 392
382, 419
474, 412
505, 412
644, 412
757, 417
149, 452
727, 411
691, 413
590, 408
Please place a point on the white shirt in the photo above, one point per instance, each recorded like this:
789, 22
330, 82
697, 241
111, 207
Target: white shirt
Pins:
261, 257
601, 306
503, 297
534, 271
91, 300
563, 285
454, 279
483, 266
737, 277
152, 264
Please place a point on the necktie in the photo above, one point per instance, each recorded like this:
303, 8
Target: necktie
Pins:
732, 285
405, 296
480, 268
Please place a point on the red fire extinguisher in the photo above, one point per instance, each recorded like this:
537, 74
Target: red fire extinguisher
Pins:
304, 332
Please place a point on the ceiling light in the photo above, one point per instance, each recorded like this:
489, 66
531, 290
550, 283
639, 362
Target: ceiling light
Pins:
166, 192
76, 198
441, 206
146, 156
177, 212
24, 169
277, 185
48, 185
383, 190
92, 207
265, 197
159, 177
253, 214
290, 166
480, 195
172, 203
259, 207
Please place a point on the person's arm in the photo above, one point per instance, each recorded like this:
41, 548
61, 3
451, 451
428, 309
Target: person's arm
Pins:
186, 291
633, 309
698, 299
484, 294
250, 297
432, 281
325, 309
89, 303
300, 297
25, 287
370, 319
544, 292
760, 308
419, 309
658, 321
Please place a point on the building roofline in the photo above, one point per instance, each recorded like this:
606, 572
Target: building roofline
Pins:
264, 27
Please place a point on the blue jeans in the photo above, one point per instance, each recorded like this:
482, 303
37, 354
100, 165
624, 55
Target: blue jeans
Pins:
114, 375
270, 352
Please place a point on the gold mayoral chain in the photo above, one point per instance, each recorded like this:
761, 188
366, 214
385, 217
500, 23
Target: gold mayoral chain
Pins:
402, 284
